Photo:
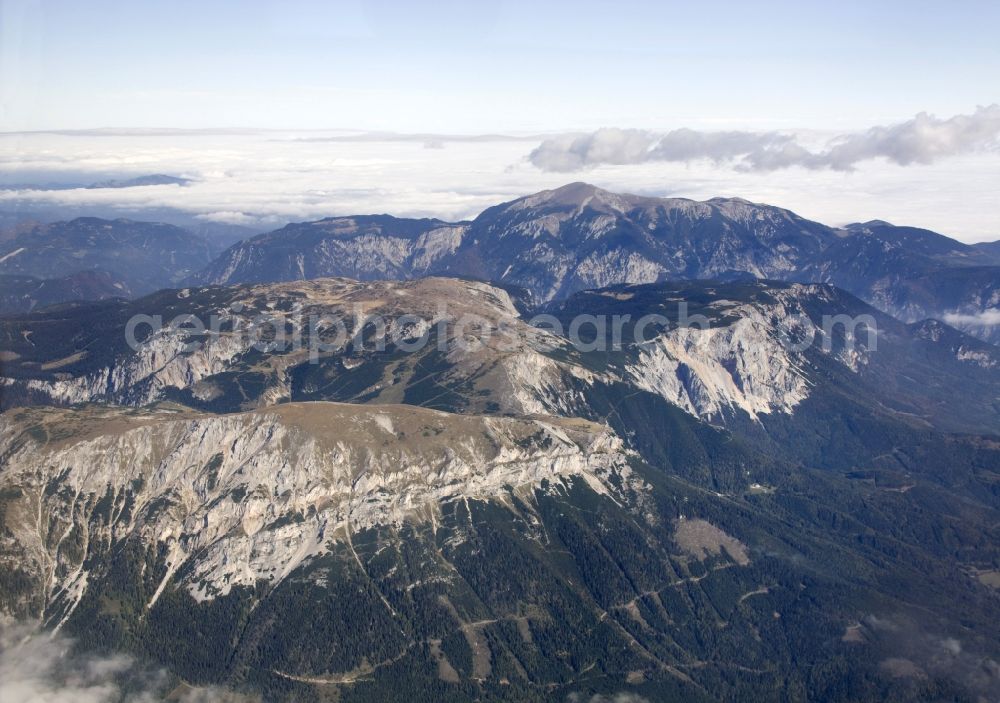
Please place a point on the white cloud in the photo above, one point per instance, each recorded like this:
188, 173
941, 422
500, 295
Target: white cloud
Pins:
567, 153
42, 667
38, 668
229, 217
910, 650
610, 145
922, 140
986, 318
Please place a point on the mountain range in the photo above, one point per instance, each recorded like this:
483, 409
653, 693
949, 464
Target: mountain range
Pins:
558, 242
376, 459
552, 244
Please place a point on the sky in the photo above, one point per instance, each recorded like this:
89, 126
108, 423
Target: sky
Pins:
454, 66
594, 89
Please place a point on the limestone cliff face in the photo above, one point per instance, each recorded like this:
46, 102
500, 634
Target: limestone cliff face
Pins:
746, 364
241, 498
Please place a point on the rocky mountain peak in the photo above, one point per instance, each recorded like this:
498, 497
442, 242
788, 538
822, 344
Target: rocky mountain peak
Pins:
575, 196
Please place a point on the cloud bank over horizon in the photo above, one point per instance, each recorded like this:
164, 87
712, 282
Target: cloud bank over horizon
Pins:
921, 140
262, 179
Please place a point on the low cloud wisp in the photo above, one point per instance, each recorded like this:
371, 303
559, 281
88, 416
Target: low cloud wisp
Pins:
986, 318
43, 667
921, 140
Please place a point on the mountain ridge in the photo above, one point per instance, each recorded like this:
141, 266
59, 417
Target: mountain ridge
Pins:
578, 236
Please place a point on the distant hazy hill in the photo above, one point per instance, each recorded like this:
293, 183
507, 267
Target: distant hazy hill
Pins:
153, 179
156, 179
19, 294
146, 256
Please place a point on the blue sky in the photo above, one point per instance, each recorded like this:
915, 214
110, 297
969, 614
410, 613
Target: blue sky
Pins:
498, 66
